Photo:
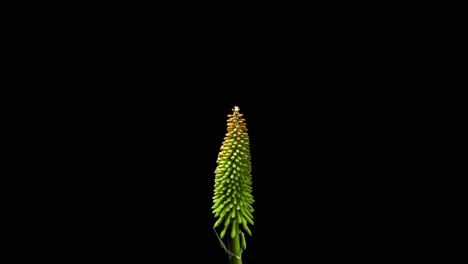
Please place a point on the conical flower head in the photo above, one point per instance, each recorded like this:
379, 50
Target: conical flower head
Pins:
233, 192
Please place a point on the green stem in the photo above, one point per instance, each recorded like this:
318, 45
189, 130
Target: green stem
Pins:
234, 245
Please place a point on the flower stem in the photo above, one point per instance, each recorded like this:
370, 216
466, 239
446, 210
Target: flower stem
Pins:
234, 245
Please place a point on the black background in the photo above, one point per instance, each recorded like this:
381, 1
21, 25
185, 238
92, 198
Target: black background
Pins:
114, 129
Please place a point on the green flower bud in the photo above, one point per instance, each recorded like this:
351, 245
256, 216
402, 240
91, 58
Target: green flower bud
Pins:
233, 192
